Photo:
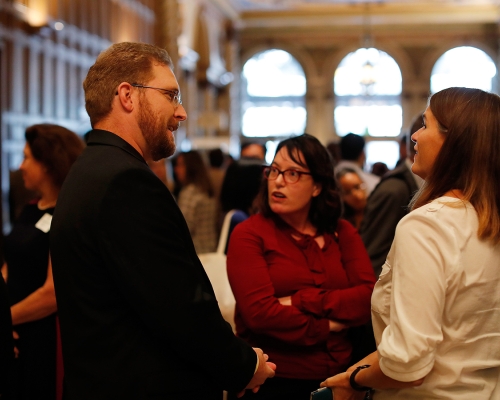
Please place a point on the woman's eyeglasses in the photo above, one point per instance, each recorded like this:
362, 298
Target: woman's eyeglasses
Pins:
289, 175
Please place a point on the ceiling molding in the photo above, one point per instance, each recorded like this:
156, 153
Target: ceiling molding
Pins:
320, 14
414, 17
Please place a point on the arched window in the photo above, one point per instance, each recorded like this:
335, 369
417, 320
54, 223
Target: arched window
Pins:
367, 87
464, 66
273, 103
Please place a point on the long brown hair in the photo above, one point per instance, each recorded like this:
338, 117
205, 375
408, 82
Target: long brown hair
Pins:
469, 157
196, 171
55, 147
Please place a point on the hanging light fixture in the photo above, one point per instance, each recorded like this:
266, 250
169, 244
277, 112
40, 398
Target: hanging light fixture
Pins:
367, 77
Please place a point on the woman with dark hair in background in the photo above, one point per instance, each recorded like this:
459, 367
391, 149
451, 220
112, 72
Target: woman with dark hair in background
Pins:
196, 200
49, 152
300, 274
354, 195
436, 306
239, 189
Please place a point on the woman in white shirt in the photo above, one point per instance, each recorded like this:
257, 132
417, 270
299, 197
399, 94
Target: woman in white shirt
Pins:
436, 306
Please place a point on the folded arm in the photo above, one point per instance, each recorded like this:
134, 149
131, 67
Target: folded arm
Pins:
350, 305
39, 304
256, 299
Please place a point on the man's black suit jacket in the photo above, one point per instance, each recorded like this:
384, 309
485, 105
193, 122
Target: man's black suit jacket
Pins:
139, 318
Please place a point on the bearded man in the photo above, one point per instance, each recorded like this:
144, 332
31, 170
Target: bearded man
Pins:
139, 318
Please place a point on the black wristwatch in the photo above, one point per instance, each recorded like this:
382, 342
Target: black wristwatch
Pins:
352, 380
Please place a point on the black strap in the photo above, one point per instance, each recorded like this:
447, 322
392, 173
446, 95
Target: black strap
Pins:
352, 380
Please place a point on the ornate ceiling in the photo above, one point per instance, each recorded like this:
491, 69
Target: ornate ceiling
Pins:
271, 14
256, 5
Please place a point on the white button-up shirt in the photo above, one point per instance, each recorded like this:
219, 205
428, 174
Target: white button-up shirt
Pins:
436, 306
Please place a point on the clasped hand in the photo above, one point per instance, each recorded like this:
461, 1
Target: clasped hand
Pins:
265, 370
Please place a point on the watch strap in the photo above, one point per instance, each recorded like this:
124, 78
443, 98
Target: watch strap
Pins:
352, 380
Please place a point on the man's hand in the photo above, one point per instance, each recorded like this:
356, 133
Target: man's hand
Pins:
264, 370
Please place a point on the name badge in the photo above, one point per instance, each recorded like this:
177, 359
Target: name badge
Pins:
44, 223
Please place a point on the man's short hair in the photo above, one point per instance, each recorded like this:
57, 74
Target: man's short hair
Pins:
122, 62
216, 158
247, 144
351, 146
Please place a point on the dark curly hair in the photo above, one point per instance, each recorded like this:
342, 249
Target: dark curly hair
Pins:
326, 208
241, 185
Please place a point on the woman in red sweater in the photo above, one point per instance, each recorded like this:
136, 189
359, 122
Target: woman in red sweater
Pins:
300, 275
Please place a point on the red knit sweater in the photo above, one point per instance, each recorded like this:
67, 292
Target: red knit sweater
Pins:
265, 263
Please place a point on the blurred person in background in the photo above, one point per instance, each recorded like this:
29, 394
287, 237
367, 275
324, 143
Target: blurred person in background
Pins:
334, 150
239, 190
196, 200
352, 153
354, 196
253, 150
218, 163
49, 153
379, 169
6, 342
388, 203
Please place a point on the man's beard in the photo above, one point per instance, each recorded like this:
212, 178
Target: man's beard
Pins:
154, 129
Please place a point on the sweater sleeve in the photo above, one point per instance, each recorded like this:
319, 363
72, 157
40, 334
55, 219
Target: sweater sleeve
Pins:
255, 296
352, 304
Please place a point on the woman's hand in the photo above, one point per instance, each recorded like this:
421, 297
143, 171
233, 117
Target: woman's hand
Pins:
371, 377
333, 326
341, 387
285, 301
336, 326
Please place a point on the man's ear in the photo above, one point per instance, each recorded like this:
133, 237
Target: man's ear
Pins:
124, 95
